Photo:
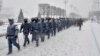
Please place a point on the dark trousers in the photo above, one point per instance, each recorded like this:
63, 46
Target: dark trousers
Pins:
26, 39
54, 31
12, 40
67, 25
42, 36
48, 34
80, 27
35, 37
59, 29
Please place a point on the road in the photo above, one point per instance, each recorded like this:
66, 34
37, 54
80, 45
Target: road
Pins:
69, 42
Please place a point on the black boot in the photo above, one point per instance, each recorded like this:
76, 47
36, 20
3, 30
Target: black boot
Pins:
42, 40
19, 48
24, 45
28, 43
48, 37
9, 53
37, 43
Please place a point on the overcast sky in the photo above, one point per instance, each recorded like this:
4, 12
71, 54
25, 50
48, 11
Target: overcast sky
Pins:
30, 7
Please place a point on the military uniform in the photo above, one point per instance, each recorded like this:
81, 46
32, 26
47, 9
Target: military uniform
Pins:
32, 25
26, 29
42, 30
54, 27
35, 31
80, 22
48, 27
12, 32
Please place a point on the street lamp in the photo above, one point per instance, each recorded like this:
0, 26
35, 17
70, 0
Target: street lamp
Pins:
66, 2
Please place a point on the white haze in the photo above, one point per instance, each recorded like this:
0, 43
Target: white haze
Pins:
30, 7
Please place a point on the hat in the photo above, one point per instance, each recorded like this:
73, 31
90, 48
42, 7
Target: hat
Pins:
10, 19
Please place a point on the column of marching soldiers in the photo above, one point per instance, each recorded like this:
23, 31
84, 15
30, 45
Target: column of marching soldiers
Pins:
38, 28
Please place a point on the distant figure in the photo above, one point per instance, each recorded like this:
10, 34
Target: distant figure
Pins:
59, 25
67, 23
12, 33
48, 27
26, 29
54, 27
80, 23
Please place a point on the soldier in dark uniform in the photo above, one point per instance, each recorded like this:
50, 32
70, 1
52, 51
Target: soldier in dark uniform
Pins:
32, 25
26, 29
35, 31
54, 27
42, 30
59, 25
67, 23
64, 22
48, 27
12, 32
51, 21
80, 22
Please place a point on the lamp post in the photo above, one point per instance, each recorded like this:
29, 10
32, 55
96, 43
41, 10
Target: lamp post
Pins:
66, 2
0, 4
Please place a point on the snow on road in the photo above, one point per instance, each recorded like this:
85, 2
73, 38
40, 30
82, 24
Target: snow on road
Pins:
95, 27
70, 42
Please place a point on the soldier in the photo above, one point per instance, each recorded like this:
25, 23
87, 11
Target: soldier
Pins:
42, 29
80, 22
12, 32
48, 27
26, 29
54, 27
67, 23
32, 32
64, 22
35, 31
59, 25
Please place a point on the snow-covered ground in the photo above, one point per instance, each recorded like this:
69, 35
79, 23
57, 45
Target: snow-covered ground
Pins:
69, 42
